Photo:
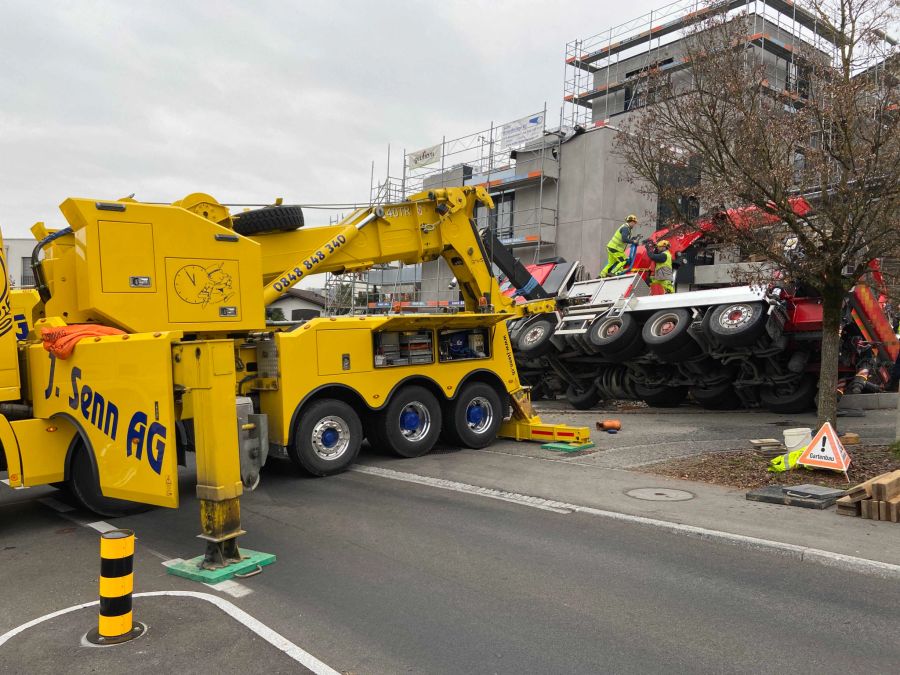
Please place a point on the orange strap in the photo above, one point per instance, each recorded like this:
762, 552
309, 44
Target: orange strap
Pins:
61, 340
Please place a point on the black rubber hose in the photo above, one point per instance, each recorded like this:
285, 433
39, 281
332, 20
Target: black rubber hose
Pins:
40, 283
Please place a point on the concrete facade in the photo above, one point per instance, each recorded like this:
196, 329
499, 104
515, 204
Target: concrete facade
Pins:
579, 211
18, 261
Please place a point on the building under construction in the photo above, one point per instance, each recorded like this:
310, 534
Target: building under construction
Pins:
559, 186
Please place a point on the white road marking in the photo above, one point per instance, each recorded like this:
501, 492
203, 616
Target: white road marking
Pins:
56, 505
101, 526
275, 639
6, 482
800, 553
502, 495
231, 587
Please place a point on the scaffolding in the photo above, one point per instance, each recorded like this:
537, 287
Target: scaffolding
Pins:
603, 72
518, 163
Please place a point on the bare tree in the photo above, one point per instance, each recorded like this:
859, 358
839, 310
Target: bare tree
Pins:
828, 132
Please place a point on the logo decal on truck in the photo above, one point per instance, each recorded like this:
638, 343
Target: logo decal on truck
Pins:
102, 413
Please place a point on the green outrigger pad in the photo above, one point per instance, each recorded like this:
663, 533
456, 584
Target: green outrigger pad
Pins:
567, 447
190, 569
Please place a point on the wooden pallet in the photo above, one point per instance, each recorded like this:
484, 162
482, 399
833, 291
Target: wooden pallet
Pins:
876, 499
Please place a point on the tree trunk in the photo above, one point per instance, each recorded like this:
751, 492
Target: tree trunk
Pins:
832, 303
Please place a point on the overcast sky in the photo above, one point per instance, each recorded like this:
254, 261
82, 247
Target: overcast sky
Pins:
258, 99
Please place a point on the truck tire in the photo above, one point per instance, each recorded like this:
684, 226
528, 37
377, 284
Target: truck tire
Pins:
327, 438
719, 397
84, 486
268, 219
800, 399
584, 400
666, 334
410, 424
661, 397
534, 338
615, 337
738, 324
474, 416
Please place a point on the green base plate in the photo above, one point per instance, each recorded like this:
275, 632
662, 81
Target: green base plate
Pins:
567, 447
190, 569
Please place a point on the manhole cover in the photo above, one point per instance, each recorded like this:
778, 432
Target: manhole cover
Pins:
660, 494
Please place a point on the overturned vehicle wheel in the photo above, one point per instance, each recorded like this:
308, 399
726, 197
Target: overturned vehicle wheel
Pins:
666, 334
534, 337
795, 398
582, 399
661, 397
717, 397
616, 337
738, 324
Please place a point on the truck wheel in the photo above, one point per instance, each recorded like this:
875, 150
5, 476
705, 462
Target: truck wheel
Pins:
584, 400
666, 333
661, 397
534, 338
268, 219
84, 485
327, 439
738, 324
475, 416
616, 337
411, 422
800, 398
720, 397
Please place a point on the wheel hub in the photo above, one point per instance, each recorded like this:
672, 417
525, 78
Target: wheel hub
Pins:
479, 415
664, 325
736, 316
330, 437
415, 421
535, 334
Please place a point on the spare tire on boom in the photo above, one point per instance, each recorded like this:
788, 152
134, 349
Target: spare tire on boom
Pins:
268, 219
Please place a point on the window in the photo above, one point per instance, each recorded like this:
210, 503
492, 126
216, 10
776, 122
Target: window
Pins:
678, 178
500, 220
27, 274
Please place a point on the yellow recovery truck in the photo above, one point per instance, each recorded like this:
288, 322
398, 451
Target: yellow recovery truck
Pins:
165, 305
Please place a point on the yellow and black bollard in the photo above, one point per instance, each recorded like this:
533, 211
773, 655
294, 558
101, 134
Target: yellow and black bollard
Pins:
116, 623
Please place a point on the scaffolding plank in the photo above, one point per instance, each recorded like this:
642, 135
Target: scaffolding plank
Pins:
785, 7
654, 32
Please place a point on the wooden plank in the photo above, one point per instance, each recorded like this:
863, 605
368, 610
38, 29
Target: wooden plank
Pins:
847, 507
864, 490
894, 509
883, 511
886, 486
867, 511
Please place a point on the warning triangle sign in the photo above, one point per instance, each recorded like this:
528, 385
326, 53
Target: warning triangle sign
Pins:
825, 451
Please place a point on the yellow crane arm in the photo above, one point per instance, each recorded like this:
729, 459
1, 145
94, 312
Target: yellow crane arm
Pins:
432, 224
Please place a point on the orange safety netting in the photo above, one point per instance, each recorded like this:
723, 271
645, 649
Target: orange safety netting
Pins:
61, 340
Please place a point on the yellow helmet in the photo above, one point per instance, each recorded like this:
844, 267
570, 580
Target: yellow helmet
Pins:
631, 219
663, 243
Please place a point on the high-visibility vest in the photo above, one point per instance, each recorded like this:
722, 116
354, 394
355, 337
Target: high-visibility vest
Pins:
663, 271
617, 243
785, 462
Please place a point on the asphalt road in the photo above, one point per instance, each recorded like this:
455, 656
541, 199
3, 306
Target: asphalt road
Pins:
379, 576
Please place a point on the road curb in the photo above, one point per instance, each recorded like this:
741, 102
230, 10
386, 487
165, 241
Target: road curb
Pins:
797, 552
